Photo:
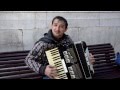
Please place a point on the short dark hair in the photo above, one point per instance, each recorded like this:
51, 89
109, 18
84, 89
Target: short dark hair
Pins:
62, 19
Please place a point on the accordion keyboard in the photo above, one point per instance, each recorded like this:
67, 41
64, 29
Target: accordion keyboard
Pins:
54, 59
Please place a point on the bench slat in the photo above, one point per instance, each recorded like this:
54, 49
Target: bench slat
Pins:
104, 64
12, 58
15, 72
14, 69
14, 52
11, 62
13, 55
104, 58
19, 76
12, 65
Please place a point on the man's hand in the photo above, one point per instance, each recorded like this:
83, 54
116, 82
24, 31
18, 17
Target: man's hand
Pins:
92, 59
51, 71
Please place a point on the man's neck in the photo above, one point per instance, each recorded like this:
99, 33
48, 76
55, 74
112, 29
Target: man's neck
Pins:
58, 38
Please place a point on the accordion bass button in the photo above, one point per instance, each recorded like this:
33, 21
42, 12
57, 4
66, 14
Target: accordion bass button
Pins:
65, 52
66, 56
71, 72
67, 60
70, 68
72, 76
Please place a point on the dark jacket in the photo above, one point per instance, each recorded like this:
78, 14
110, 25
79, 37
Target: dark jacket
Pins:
36, 59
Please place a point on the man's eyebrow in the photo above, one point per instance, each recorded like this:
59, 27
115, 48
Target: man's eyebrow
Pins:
55, 23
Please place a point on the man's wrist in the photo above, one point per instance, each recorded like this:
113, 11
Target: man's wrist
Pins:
42, 70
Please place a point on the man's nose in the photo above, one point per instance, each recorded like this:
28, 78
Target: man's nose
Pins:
58, 28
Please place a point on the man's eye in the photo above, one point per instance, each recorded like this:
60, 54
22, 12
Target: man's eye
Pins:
62, 26
55, 25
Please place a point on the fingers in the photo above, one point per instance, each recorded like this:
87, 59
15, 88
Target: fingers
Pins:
51, 66
92, 59
51, 71
91, 55
54, 72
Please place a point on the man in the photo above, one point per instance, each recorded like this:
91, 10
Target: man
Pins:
55, 37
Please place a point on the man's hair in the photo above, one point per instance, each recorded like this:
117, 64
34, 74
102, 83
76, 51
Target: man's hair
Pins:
61, 19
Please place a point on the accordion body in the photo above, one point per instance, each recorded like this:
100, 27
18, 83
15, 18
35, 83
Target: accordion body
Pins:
70, 62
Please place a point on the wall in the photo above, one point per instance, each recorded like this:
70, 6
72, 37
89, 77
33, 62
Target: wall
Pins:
20, 29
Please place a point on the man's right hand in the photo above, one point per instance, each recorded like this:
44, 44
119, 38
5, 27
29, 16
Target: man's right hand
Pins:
51, 71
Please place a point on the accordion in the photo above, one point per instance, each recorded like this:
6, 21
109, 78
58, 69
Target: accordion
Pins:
70, 63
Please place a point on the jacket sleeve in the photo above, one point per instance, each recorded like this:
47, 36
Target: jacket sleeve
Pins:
33, 56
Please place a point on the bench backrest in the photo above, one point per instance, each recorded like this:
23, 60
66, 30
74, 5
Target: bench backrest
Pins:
105, 66
12, 66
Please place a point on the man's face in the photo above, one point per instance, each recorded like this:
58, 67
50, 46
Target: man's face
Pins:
58, 28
